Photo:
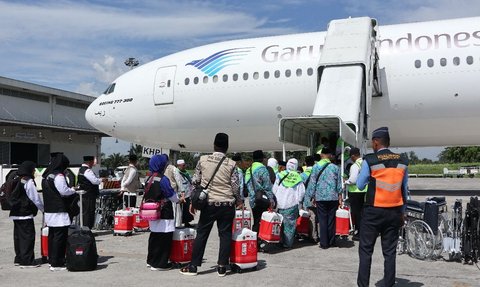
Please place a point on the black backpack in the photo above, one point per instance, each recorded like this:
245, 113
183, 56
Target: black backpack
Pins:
6, 191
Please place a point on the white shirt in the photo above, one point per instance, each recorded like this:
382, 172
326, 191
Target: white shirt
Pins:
288, 197
164, 225
60, 219
32, 194
354, 171
91, 176
131, 175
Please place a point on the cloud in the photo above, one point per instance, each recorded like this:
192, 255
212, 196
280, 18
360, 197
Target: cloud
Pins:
394, 12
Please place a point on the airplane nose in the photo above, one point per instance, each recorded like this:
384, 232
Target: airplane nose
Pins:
89, 114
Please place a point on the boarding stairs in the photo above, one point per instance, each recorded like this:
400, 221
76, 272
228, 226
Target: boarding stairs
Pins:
346, 84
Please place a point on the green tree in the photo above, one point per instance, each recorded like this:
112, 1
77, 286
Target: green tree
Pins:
460, 154
114, 160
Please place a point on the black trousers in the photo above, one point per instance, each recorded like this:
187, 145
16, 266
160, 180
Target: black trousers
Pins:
186, 216
257, 217
375, 221
89, 205
326, 219
57, 244
159, 246
24, 241
133, 200
356, 204
223, 215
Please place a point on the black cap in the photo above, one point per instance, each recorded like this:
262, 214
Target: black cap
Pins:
237, 157
381, 133
282, 163
132, 157
221, 141
54, 154
258, 155
326, 150
355, 151
88, 158
309, 161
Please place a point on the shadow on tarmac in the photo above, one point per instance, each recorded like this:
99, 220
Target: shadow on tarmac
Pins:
401, 283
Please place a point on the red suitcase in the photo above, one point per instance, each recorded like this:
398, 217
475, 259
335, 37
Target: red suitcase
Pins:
303, 223
182, 245
270, 227
342, 221
243, 218
243, 252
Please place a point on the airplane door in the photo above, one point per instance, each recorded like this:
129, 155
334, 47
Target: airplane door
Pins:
164, 83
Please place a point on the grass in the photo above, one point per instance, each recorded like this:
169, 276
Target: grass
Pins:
436, 168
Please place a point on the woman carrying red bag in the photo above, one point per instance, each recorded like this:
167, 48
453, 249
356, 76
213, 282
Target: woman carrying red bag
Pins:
161, 230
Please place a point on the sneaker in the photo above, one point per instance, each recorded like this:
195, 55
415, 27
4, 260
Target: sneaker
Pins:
189, 270
30, 266
16, 264
58, 268
148, 265
222, 271
355, 237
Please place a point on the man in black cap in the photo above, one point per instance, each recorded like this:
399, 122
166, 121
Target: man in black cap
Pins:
223, 196
88, 181
259, 186
387, 176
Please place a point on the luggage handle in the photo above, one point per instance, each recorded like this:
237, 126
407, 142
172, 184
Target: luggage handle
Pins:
81, 193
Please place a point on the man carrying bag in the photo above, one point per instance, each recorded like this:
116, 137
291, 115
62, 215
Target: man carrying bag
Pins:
217, 175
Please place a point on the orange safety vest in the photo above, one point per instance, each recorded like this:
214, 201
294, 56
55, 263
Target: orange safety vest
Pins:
387, 170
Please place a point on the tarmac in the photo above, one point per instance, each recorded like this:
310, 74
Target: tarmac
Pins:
122, 259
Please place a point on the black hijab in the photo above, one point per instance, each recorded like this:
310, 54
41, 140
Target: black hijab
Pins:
26, 169
59, 164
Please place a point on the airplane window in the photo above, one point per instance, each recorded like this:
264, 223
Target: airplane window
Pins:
225, 78
195, 80
277, 74
299, 72
205, 79
266, 75
443, 62
168, 83
255, 75
187, 81
215, 78
111, 88
456, 61
245, 76
235, 77
418, 64
309, 71
288, 73
469, 60
430, 63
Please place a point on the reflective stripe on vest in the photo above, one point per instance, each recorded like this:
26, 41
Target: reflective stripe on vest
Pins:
388, 185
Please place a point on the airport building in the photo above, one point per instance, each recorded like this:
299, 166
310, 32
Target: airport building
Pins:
36, 120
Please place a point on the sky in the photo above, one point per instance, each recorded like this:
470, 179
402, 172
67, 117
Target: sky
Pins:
81, 45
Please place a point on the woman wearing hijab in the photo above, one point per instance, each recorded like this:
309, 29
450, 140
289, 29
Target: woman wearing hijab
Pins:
55, 194
289, 191
25, 204
161, 231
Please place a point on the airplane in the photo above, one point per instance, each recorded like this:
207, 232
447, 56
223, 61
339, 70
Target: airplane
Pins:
428, 77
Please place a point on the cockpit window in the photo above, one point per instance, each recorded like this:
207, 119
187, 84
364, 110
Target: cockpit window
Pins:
110, 89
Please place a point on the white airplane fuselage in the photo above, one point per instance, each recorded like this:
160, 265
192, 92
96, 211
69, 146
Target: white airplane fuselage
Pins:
429, 77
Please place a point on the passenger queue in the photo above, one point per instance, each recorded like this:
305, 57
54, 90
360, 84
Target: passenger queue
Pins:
315, 190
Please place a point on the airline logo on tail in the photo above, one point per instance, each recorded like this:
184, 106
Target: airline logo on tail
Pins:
216, 62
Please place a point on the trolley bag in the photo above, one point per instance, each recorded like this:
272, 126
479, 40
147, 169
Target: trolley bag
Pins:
139, 224
123, 222
270, 226
243, 218
342, 221
243, 251
182, 245
303, 223
430, 215
44, 241
182, 241
81, 251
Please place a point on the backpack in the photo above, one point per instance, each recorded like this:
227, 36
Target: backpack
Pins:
6, 191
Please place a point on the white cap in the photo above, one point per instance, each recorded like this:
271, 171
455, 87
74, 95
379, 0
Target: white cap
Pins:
272, 162
180, 161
